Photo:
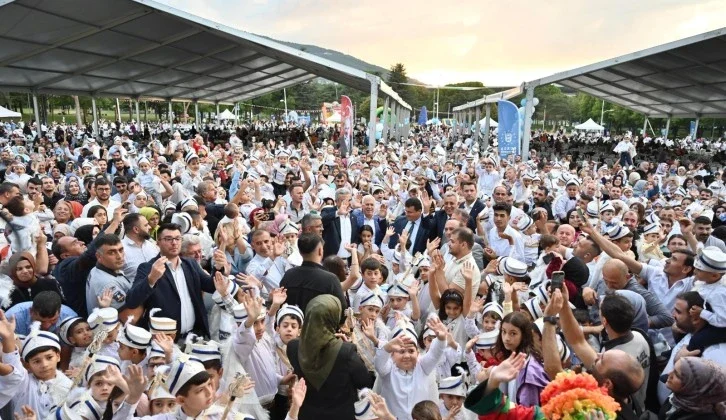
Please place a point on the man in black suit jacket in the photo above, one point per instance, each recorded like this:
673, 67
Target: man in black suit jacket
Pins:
157, 285
311, 279
367, 213
440, 217
336, 220
471, 203
419, 227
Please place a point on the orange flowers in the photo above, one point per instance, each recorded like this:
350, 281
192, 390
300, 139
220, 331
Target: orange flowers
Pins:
572, 396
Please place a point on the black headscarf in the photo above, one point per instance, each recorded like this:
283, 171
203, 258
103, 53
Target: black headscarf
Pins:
85, 233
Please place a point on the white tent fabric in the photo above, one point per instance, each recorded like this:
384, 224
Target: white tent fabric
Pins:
590, 125
492, 123
226, 115
6, 113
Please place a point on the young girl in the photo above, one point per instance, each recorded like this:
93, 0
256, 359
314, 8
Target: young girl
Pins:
516, 336
451, 304
404, 378
367, 247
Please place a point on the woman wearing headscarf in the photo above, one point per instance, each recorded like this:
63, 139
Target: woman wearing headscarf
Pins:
26, 281
331, 367
152, 216
86, 233
699, 391
73, 191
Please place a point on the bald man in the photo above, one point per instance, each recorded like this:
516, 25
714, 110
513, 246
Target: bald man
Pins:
619, 372
616, 277
566, 235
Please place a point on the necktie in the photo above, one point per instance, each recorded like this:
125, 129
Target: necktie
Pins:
410, 235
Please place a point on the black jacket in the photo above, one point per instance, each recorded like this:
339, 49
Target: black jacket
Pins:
424, 232
331, 230
475, 210
164, 294
336, 397
308, 281
72, 274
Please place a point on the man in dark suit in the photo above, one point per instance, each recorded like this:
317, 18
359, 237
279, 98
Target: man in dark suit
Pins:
417, 226
174, 284
311, 279
366, 216
471, 203
441, 216
339, 228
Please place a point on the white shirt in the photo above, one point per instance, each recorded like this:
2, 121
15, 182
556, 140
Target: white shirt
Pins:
501, 246
452, 272
187, 310
258, 360
110, 208
346, 230
134, 255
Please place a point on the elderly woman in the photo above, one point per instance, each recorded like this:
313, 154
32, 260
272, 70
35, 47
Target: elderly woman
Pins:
699, 391
25, 273
63, 212
229, 238
332, 368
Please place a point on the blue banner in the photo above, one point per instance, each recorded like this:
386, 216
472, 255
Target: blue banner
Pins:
423, 116
508, 130
692, 131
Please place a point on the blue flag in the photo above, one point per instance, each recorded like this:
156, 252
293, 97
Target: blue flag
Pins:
423, 116
508, 130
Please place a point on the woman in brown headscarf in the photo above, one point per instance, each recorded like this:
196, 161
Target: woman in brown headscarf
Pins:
699, 391
332, 368
26, 281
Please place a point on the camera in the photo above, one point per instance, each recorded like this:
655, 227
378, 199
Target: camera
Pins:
267, 203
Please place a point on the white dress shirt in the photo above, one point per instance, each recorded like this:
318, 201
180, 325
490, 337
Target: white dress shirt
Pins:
134, 255
346, 230
501, 246
110, 208
414, 233
187, 310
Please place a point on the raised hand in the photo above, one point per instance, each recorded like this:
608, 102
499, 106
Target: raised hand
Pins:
379, 407
221, 283
477, 305
351, 248
279, 296
470, 344
433, 245
106, 298
157, 270
398, 343
438, 327
297, 393
389, 231
115, 377
508, 369
136, 382
467, 271
165, 342
7, 327
26, 413
555, 304
368, 326
383, 211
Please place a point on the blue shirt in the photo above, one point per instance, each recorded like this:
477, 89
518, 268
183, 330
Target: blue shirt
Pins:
23, 320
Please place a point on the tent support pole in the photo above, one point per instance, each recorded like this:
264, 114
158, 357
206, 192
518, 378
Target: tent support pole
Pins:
217, 104
487, 123
645, 124
138, 115
196, 114
35, 111
385, 118
526, 133
408, 126
668, 127
95, 116
171, 118
477, 128
698, 121
372, 116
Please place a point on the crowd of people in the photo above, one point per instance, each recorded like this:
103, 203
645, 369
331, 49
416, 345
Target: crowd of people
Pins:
261, 272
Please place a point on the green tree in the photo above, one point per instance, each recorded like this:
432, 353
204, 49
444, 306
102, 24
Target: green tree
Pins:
397, 78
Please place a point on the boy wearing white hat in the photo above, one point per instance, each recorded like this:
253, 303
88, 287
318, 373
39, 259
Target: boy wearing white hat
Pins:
369, 329
709, 268
399, 297
149, 181
105, 321
41, 386
133, 343
452, 392
91, 403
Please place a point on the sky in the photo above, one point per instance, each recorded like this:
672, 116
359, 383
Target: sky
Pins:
497, 42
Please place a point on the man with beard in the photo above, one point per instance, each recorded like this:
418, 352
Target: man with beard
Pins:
702, 229
138, 247
103, 198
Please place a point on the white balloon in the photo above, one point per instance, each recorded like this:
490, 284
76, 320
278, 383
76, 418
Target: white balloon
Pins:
535, 101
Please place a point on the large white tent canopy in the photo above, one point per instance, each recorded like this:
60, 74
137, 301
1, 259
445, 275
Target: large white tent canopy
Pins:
141, 49
589, 125
6, 113
226, 115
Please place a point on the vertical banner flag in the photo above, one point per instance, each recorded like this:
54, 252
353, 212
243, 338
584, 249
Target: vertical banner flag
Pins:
423, 116
346, 121
692, 131
508, 130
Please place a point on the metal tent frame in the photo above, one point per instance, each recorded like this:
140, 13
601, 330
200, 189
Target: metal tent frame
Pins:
141, 49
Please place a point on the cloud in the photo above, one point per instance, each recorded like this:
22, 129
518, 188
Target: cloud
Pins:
497, 42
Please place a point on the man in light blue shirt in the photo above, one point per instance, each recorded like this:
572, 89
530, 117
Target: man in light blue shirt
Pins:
45, 308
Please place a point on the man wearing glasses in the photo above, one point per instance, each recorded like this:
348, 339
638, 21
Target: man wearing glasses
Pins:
175, 284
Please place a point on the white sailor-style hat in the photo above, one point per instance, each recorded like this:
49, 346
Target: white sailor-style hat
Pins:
651, 228
37, 339
617, 232
541, 293
363, 409
592, 209
143, 159
98, 364
398, 290
562, 348
487, 339
282, 153
534, 308
396, 257
428, 332
159, 324
404, 328
424, 262
493, 307
155, 350
133, 336
160, 392
711, 259
86, 164
572, 181
240, 313
289, 228
103, 319
66, 326
189, 202
287, 309
184, 220
681, 191
232, 290
65, 412
190, 155
539, 326
371, 298
512, 267
453, 385
202, 351
652, 218
377, 187
524, 223
182, 370
607, 206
